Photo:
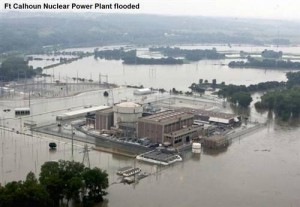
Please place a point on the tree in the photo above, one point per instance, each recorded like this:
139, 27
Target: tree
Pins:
25, 194
15, 67
96, 181
242, 98
214, 83
50, 179
70, 180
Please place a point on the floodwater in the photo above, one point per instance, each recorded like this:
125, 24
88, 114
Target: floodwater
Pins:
170, 76
259, 169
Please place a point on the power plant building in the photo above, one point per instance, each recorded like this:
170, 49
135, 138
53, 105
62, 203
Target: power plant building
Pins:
104, 119
127, 113
167, 126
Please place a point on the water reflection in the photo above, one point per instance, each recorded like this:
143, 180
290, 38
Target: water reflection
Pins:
216, 152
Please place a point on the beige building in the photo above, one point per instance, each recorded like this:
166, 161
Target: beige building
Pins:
167, 126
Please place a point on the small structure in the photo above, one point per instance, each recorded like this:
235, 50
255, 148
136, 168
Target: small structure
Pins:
215, 142
196, 148
52, 145
123, 170
128, 171
159, 157
213, 117
22, 111
142, 91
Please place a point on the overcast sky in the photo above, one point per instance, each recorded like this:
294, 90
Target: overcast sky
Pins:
269, 9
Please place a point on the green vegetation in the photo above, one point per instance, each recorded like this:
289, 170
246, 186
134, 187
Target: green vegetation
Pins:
265, 63
191, 55
130, 57
59, 182
271, 54
13, 68
243, 99
285, 102
36, 32
236, 94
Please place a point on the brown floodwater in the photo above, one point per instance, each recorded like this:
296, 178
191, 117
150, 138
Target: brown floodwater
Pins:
258, 169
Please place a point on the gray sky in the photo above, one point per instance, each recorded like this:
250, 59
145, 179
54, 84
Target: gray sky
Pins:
270, 9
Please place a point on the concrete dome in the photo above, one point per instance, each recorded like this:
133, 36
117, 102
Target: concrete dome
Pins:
127, 112
128, 105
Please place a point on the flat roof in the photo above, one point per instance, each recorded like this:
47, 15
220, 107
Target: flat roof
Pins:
202, 112
166, 116
219, 120
22, 109
183, 131
84, 111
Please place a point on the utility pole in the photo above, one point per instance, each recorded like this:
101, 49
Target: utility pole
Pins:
72, 141
86, 158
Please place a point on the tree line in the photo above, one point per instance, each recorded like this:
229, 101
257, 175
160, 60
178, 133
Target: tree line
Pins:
191, 55
14, 67
130, 57
239, 94
265, 63
58, 184
284, 102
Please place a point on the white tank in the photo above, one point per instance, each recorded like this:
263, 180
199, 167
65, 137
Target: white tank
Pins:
127, 112
196, 147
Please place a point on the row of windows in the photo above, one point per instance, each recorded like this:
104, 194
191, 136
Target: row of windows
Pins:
22, 112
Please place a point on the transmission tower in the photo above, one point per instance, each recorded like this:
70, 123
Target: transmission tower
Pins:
86, 158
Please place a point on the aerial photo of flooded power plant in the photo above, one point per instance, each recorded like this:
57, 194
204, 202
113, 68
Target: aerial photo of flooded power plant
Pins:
135, 103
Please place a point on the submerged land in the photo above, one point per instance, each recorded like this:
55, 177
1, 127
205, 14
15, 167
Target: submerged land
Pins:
142, 132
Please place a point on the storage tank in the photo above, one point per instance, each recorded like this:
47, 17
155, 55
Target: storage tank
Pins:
196, 148
142, 91
127, 112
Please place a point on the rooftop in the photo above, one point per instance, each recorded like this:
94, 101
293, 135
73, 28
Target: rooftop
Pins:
86, 110
202, 112
128, 104
166, 116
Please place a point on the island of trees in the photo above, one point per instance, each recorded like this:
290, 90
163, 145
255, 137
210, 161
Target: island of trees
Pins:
58, 184
190, 55
265, 63
271, 54
130, 57
173, 56
269, 59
